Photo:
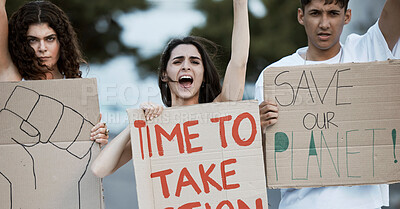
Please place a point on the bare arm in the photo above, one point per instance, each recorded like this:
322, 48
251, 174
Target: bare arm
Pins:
116, 154
119, 151
8, 71
4, 54
389, 22
235, 76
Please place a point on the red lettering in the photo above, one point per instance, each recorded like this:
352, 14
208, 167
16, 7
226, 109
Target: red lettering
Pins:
140, 124
175, 132
190, 205
243, 205
205, 177
208, 206
225, 174
189, 136
149, 142
182, 183
235, 129
259, 204
163, 179
221, 121
223, 203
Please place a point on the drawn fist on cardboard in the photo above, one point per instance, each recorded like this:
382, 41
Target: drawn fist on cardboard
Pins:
43, 119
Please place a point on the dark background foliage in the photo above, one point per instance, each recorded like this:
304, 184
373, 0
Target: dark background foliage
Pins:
95, 23
273, 36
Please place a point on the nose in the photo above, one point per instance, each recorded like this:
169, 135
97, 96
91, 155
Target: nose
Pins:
324, 22
186, 65
42, 46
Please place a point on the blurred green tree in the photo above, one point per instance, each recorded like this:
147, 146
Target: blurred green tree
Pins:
273, 35
95, 23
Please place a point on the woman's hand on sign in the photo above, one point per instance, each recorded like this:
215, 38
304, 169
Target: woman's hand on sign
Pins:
99, 133
268, 114
151, 110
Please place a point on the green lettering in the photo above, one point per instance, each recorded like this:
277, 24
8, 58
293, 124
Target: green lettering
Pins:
349, 153
313, 152
281, 145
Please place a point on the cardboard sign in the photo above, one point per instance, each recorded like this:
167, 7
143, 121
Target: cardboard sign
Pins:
45, 150
338, 125
201, 156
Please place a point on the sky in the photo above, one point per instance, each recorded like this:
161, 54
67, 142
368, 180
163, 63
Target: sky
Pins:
120, 86
150, 30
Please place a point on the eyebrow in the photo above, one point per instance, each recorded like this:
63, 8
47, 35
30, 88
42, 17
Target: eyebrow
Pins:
315, 10
191, 57
51, 35
320, 10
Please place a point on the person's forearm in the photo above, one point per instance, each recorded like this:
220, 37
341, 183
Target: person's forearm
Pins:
235, 76
240, 34
3, 25
389, 22
4, 55
113, 155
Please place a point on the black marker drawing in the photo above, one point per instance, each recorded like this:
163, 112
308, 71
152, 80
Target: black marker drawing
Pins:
43, 151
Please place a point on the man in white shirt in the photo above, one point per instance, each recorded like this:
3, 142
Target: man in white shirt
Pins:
323, 21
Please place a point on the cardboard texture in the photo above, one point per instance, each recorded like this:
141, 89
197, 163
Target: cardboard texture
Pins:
200, 156
338, 125
45, 150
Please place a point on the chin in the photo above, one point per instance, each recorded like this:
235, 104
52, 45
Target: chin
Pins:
185, 96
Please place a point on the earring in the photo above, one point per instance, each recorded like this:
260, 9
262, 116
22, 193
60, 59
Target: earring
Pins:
164, 78
202, 85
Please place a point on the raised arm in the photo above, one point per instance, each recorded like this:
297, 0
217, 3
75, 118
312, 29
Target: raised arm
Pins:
389, 22
235, 76
114, 155
8, 71
119, 151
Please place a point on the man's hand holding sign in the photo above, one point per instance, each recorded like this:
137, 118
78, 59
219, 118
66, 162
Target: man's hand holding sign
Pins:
337, 125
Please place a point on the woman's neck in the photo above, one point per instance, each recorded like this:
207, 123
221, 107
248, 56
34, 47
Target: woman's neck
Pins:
54, 74
176, 101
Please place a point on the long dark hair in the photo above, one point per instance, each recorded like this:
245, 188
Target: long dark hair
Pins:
23, 55
211, 86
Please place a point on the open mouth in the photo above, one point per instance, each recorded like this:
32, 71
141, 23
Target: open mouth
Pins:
185, 81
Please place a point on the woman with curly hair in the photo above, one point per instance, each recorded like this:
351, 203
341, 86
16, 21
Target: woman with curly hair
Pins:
39, 43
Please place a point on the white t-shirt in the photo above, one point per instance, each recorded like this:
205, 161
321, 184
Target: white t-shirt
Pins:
368, 47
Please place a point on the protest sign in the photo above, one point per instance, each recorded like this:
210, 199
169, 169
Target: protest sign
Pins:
201, 156
338, 124
45, 150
